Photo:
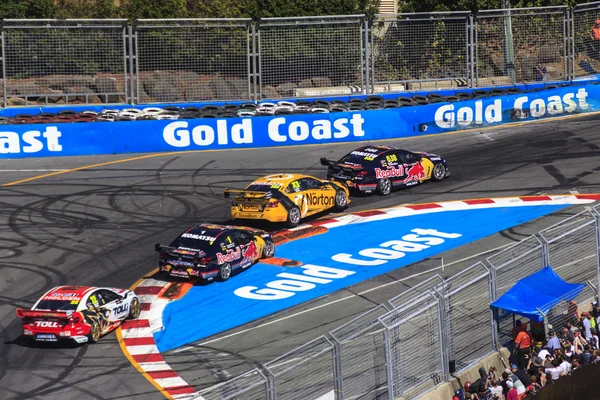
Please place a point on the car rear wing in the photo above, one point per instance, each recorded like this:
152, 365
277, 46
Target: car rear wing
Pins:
168, 249
246, 193
24, 313
331, 163
327, 163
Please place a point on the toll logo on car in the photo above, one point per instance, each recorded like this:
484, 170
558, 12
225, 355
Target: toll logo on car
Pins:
120, 309
46, 324
312, 275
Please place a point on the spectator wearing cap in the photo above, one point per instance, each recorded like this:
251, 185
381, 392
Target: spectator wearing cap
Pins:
587, 326
520, 374
534, 367
523, 345
553, 343
512, 392
517, 384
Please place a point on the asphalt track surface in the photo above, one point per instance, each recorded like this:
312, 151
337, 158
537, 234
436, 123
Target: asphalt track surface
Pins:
97, 226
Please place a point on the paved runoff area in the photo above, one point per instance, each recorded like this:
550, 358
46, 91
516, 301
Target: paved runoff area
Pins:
94, 221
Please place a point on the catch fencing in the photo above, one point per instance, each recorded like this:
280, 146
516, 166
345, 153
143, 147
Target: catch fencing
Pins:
413, 343
200, 60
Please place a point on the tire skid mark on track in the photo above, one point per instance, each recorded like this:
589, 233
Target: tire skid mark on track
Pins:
136, 337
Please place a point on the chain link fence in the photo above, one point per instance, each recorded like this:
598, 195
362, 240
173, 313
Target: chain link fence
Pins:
64, 62
311, 56
194, 60
420, 51
518, 45
250, 386
586, 39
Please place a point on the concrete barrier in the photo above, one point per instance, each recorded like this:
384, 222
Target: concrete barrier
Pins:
446, 390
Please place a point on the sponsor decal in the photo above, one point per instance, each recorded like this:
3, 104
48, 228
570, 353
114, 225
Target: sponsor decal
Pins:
390, 172
322, 200
231, 255
30, 141
180, 134
46, 324
447, 116
120, 309
415, 173
198, 237
418, 240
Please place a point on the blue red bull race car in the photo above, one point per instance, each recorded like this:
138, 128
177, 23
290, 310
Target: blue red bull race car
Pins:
380, 169
209, 251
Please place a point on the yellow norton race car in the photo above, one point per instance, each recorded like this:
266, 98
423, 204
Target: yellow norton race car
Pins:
287, 198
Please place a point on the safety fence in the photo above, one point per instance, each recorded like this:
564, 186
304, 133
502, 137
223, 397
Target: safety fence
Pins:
406, 347
193, 60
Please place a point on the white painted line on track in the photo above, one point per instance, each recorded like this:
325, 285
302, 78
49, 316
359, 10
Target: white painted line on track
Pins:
342, 299
31, 170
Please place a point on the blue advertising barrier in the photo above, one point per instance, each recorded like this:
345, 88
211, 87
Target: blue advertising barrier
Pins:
70, 139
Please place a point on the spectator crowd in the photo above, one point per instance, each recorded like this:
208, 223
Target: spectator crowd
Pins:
538, 359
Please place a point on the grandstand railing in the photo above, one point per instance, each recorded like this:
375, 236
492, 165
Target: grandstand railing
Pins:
56, 62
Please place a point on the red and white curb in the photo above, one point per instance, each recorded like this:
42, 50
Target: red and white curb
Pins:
138, 340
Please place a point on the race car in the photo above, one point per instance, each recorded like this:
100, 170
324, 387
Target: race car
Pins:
382, 168
78, 313
214, 251
287, 198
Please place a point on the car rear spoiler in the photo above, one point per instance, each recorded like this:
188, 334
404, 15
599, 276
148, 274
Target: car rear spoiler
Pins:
160, 248
228, 192
327, 163
23, 313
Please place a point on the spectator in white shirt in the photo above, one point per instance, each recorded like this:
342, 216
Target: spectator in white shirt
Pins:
496, 389
565, 366
587, 326
555, 371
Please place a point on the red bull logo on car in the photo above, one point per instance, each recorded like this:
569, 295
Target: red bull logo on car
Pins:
415, 173
250, 253
390, 172
231, 255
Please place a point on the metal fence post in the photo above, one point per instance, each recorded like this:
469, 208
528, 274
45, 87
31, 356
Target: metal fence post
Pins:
545, 252
338, 376
132, 59
388, 364
3, 61
367, 59
597, 231
444, 348
271, 389
257, 61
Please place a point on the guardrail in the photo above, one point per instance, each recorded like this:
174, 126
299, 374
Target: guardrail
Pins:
373, 356
66, 62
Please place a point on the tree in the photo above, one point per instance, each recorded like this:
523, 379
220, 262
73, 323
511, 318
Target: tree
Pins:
14, 9
138, 9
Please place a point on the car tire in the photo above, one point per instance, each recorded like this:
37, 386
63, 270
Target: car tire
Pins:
269, 250
94, 335
438, 173
384, 186
134, 309
341, 200
293, 218
224, 272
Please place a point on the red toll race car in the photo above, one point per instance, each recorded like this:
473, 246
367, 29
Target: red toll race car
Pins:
78, 313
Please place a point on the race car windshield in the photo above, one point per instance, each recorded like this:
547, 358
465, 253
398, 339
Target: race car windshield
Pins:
358, 157
264, 188
57, 305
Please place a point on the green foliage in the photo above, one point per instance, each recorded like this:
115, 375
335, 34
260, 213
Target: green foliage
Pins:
138, 9
27, 9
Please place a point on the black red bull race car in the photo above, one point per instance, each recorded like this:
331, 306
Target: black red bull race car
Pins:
208, 251
78, 313
383, 168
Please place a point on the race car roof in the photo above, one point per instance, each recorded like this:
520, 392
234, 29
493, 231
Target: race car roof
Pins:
281, 179
67, 293
205, 232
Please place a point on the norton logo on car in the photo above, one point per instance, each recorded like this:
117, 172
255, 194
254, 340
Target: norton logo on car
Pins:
321, 200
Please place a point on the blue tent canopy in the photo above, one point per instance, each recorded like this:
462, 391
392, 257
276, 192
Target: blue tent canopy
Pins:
542, 290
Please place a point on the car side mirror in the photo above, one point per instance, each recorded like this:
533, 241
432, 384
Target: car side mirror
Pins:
324, 161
